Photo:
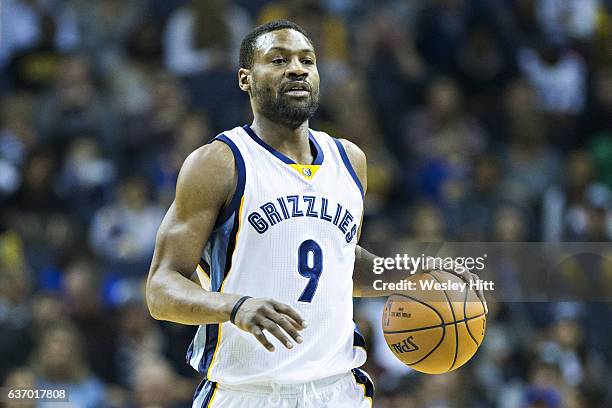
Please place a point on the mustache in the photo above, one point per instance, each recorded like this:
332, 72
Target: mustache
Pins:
293, 84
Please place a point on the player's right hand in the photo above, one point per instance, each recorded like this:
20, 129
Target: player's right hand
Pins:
259, 314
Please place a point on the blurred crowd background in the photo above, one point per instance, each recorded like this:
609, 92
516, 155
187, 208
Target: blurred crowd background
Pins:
482, 120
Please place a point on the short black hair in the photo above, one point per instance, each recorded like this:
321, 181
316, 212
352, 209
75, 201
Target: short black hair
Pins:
247, 47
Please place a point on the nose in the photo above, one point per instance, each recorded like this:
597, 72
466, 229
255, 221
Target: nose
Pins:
296, 69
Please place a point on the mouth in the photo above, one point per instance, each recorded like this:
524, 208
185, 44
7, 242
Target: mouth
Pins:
298, 89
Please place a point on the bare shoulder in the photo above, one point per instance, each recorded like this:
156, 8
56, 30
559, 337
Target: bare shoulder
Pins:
208, 176
357, 158
354, 153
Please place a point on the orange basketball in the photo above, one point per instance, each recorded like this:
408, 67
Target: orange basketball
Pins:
434, 330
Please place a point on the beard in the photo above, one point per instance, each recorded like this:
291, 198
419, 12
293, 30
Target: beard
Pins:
284, 109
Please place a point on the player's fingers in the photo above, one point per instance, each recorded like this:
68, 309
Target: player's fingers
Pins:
261, 337
288, 325
274, 330
295, 324
465, 275
291, 312
480, 292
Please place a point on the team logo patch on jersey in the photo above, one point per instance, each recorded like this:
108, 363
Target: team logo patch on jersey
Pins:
306, 170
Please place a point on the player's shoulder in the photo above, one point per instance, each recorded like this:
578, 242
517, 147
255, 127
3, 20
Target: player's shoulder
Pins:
354, 152
215, 155
209, 168
358, 160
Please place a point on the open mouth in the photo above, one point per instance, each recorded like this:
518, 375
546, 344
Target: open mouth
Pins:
300, 89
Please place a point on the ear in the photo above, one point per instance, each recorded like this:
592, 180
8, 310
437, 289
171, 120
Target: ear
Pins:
244, 79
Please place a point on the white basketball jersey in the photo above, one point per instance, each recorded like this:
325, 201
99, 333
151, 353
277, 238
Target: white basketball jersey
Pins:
289, 234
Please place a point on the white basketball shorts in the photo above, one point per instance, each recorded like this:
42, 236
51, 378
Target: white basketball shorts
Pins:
350, 390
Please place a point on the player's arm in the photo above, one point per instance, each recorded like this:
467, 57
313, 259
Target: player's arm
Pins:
206, 184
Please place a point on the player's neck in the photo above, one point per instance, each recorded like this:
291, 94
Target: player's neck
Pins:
294, 143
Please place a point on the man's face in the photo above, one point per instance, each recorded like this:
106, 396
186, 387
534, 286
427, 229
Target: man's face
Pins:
284, 81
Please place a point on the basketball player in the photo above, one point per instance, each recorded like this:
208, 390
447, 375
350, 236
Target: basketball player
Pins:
273, 212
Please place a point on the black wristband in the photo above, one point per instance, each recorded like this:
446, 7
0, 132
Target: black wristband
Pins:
239, 303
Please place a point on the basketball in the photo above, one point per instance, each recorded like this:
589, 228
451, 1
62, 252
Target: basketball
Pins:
434, 330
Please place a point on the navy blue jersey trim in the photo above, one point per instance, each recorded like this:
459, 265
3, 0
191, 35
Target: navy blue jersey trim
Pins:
189, 352
231, 244
241, 168
219, 274
208, 399
358, 339
212, 338
362, 378
348, 165
205, 267
318, 160
207, 387
199, 389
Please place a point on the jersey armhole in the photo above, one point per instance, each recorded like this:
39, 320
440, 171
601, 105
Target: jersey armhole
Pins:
348, 165
233, 205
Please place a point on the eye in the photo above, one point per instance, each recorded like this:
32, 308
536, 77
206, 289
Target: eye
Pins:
278, 61
307, 61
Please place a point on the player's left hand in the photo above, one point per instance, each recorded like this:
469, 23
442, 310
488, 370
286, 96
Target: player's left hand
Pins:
468, 277
259, 314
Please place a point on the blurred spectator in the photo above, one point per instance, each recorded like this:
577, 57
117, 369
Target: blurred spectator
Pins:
133, 72
580, 209
543, 389
39, 215
82, 297
17, 137
530, 163
510, 224
427, 224
30, 22
86, 177
602, 46
106, 24
566, 20
139, 339
558, 76
59, 362
471, 216
441, 29
156, 385
601, 151
394, 70
38, 67
123, 232
483, 63
17, 133
565, 348
149, 130
597, 119
441, 139
75, 106
47, 307
204, 35
15, 311
20, 378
